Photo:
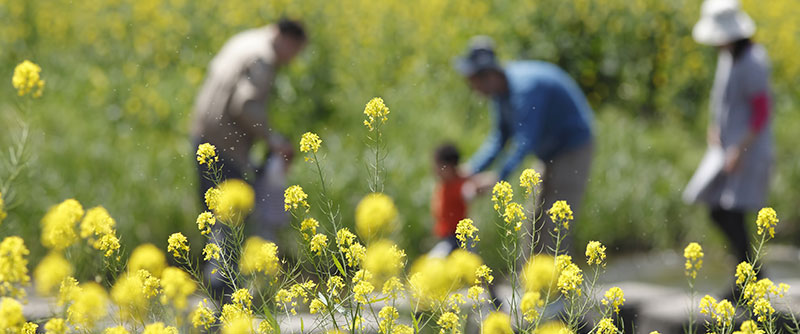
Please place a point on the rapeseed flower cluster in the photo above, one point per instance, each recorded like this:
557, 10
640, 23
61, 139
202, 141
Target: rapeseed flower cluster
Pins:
13, 267
497, 323
528, 180
27, 80
375, 215
694, 259
376, 112
235, 201
466, 230
595, 253
766, 221
310, 142
58, 225
207, 154
294, 198
614, 298
561, 214
261, 256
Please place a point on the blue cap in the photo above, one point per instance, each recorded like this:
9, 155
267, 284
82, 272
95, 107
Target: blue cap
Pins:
478, 57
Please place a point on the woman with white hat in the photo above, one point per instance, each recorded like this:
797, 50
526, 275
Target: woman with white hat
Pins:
733, 178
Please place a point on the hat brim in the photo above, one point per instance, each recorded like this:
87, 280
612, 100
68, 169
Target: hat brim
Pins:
709, 32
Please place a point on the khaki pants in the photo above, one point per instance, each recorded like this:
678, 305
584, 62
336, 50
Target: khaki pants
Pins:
563, 178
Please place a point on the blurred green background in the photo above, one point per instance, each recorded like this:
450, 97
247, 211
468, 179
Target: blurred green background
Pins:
112, 126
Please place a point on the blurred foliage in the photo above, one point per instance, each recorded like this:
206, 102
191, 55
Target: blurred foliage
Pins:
112, 128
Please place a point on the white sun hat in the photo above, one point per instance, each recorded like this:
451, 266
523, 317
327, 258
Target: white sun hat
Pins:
722, 22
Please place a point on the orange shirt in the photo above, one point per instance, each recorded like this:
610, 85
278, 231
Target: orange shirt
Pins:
449, 206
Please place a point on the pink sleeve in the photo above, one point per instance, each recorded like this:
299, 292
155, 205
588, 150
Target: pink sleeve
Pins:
760, 111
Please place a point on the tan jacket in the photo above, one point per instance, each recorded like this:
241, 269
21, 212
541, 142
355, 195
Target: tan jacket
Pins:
230, 110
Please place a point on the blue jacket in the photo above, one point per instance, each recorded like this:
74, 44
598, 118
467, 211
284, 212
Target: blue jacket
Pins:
544, 113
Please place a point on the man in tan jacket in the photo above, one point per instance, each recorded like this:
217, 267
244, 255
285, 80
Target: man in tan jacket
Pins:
230, 113
230, 110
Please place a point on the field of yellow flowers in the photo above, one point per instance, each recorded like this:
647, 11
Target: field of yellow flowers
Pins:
111, 127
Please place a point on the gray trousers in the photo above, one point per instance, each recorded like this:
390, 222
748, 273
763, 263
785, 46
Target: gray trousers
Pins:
563, 178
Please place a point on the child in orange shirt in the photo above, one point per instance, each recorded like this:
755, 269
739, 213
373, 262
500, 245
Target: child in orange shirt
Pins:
449, 202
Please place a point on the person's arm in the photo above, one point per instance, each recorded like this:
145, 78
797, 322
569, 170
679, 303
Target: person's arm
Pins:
491, 147
530, 119
522, 146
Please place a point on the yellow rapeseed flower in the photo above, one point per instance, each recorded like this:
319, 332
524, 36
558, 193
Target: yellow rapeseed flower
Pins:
243, 298
206, 154
514, 215
531, 300
335, 285
614, 298
11, 317
205, 221
501, 196
375, 215
212, 197
235, 201
361, 286
308, 227
462, 267
529, 179
177, 286
310, 142
97, 222
595, 253
294, 197
30, 328
384, 260
393, 288
13, 266
766, 221
483, 273
539, 274
68, 290
570, 280
26, 79
318, 244
211, 251
159, 328
130, 295
115, 330
606, 326
89, 306
694, 259
202, 316
561, 215
316, 306
148, 257
497, 323
58, 225
466, 230
259, 256
448, 323
178, 245
376, 111
763, 310
744, 273
56, 326
749, 327
387, 315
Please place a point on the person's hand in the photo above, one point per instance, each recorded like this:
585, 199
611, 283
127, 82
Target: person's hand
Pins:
733, 157
484, 182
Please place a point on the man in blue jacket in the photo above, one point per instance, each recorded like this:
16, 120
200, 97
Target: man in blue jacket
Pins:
540, 110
